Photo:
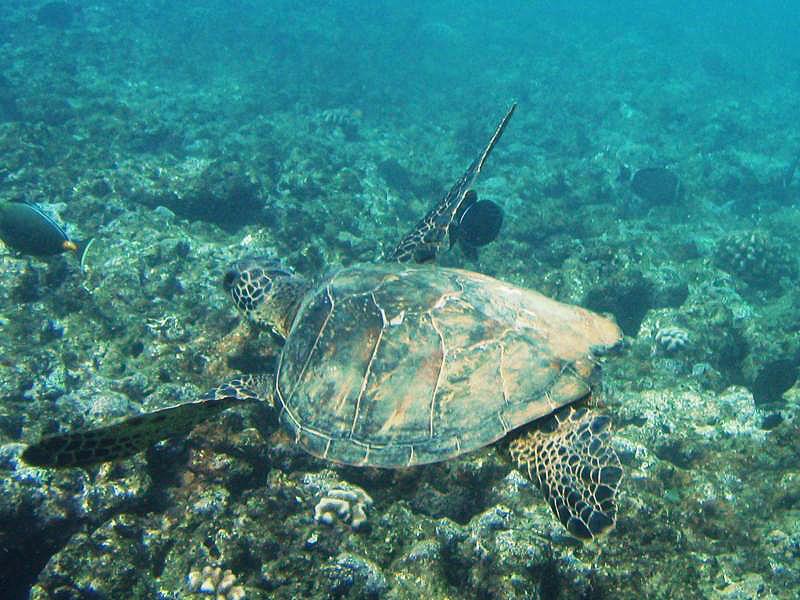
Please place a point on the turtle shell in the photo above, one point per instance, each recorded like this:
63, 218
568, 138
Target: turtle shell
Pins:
394, 365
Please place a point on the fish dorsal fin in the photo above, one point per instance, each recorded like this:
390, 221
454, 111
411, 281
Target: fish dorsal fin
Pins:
46, 217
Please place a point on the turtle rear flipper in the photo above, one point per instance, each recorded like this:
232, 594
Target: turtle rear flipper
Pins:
130, 436
577, 470
427, 238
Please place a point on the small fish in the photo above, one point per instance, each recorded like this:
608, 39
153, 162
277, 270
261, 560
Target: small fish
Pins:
25, 228
477, 224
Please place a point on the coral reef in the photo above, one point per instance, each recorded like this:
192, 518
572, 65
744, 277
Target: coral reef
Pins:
213, 581
217, 191
671, 339
348, 504
627, 294
345, 120
756, 258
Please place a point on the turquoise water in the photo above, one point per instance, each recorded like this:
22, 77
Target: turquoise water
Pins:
648, 175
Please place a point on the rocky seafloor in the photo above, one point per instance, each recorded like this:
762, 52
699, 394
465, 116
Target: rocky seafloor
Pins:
177, 180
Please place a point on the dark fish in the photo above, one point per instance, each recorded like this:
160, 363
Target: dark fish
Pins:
28, 230
477, 224
773, 380
656, 185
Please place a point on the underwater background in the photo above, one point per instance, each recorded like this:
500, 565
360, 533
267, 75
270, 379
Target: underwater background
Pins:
648, 173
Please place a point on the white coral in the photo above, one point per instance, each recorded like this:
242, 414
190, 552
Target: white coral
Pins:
348, 504
213, 581
672, 339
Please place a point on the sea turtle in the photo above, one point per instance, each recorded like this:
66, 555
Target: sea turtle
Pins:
400, 363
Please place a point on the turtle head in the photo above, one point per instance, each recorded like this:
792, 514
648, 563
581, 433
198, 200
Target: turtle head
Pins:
265, 292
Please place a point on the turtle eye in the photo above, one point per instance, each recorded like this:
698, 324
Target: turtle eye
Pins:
230, 279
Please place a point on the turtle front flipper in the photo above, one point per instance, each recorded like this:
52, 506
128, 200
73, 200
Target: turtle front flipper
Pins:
576, 468
424, 242
130, 436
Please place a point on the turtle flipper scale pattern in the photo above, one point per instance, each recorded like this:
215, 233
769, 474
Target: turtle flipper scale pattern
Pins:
132, 435
577, 470
424, 242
